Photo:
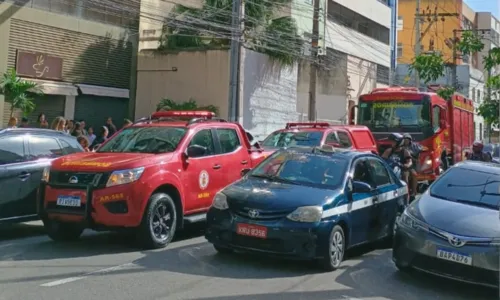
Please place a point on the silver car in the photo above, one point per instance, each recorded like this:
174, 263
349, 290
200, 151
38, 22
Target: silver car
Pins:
453, 230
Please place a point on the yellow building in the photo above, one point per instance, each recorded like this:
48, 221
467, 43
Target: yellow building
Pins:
437, 32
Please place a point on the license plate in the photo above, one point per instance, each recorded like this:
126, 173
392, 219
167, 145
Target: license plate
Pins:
71, 201
252, 230
460, 258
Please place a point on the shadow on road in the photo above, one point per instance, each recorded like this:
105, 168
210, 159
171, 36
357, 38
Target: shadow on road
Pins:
19, 231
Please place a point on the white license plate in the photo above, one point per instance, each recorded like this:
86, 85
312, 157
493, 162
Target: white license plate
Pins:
460, 258
71, 201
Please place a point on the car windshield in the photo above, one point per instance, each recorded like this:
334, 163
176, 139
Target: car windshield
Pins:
468, 186
281, 139
312, 169
145, 140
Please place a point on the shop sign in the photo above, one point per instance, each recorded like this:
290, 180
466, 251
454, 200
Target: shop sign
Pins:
38, 65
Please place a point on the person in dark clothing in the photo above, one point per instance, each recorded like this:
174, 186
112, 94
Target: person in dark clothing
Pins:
77, 130
401, 154
414, 149
478, 154
24, 123
101, 137
111, 127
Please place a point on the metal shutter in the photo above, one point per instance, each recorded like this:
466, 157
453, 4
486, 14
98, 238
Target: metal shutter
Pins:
95, 110
50, 105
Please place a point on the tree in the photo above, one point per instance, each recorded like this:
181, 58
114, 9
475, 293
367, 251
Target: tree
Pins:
210, 28
432, 66
168, 104
18, 92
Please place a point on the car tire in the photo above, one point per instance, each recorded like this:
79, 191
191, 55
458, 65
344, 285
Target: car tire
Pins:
334, 255
159, 222
62, 231
223, 250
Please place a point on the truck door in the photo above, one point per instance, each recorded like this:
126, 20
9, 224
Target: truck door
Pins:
233, 157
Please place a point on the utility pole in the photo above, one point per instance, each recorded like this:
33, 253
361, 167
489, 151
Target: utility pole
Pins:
418, 39
234, 64
454, 75
314, 62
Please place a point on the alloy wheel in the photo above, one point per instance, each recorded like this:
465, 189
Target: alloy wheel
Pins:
337, 249
161, 222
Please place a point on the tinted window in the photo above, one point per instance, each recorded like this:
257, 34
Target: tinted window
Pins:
289, 139
313, 169
11, 150
436, 112
464, 185
380, 174
361, 173
145, 140
204, 138
42, 147
345, 139
70, 148
228, 139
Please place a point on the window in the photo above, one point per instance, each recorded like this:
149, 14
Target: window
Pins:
473, 94
280, 139
400, 17
480, 131
362, 174
400, 50
478, 95
229, 140
11, 150
382, 74
204, 138
41, 147
436, 113
344, 139
380, 174
73, 148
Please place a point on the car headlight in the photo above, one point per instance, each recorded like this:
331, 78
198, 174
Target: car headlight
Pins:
220, 201
410, 221
309, 214
124, 176
46, 174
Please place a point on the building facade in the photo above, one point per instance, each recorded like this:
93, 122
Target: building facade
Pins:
80, 53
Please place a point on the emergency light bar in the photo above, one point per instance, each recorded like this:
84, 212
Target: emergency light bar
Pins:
181, 113
305, 125
394, 89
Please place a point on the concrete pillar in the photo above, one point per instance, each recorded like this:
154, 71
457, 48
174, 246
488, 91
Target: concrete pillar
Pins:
5, 13
69, 107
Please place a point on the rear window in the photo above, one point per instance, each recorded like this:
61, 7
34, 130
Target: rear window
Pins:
469, 186
279, 139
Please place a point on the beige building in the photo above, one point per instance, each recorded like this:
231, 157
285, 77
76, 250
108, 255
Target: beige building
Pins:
81, 53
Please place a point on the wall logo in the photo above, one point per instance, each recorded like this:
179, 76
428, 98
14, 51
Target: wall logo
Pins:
204, 179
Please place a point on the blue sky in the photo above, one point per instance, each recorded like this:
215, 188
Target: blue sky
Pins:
485, 5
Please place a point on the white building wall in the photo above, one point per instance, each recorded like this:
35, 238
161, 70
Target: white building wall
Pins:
477, 93
371, 9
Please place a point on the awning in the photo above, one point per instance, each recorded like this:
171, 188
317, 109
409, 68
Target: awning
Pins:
56, 88
103, 91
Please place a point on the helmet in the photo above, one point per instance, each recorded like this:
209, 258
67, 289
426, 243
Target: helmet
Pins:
477, 146
407, 136
397, 138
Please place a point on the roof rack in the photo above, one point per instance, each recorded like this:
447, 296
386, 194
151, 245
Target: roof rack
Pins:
177, 115
307, 125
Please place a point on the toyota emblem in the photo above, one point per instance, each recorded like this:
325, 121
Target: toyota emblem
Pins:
253, 213
73, 179
455, 242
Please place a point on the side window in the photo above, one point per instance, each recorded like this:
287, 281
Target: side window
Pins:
70, 148
361, 173
12, 150
380, 173
344, 139
229, 140
43, 147
332, 138
204, 138
436, 114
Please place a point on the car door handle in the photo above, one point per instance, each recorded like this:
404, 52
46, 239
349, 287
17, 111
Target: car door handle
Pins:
216, 167
396, 193
24, 175
375, 199
244, 162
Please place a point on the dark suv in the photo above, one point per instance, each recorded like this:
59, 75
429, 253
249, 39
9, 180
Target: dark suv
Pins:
24, 153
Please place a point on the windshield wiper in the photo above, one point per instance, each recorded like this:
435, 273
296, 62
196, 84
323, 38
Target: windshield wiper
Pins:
478, 203
272, 178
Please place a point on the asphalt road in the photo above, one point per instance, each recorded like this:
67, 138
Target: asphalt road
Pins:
108, 266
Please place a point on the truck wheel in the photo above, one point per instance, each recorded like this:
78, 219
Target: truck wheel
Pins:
61, 231
336, 248
159, 222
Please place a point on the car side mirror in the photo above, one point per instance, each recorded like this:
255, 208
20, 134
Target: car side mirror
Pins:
360, 187
249, 136
244, 172
196, 151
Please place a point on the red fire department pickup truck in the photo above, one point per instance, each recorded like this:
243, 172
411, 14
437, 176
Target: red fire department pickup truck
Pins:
356, 137
153, 177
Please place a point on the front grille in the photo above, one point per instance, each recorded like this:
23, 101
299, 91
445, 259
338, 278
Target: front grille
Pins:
456, 270
271, 245
264, 215
84, 178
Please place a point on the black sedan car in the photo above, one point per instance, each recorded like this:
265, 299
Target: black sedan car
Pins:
453, 230
308, 203
24, 153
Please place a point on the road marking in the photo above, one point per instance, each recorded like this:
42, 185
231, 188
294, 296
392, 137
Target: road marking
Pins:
76, 278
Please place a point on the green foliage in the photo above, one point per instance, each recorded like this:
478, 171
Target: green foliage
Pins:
446, 92
469, 43
488, 109
18, 92
168, 104
210, 28
428, 66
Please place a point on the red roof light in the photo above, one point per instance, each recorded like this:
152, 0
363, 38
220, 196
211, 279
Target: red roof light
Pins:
180, 113
306, 125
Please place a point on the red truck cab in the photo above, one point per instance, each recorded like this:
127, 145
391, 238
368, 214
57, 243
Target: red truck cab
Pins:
152, 177
356, 137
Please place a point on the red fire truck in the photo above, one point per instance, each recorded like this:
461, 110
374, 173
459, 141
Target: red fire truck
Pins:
445, 129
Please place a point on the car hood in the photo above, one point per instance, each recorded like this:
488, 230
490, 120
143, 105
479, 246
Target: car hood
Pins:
92, 161
458, 218
263, 194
